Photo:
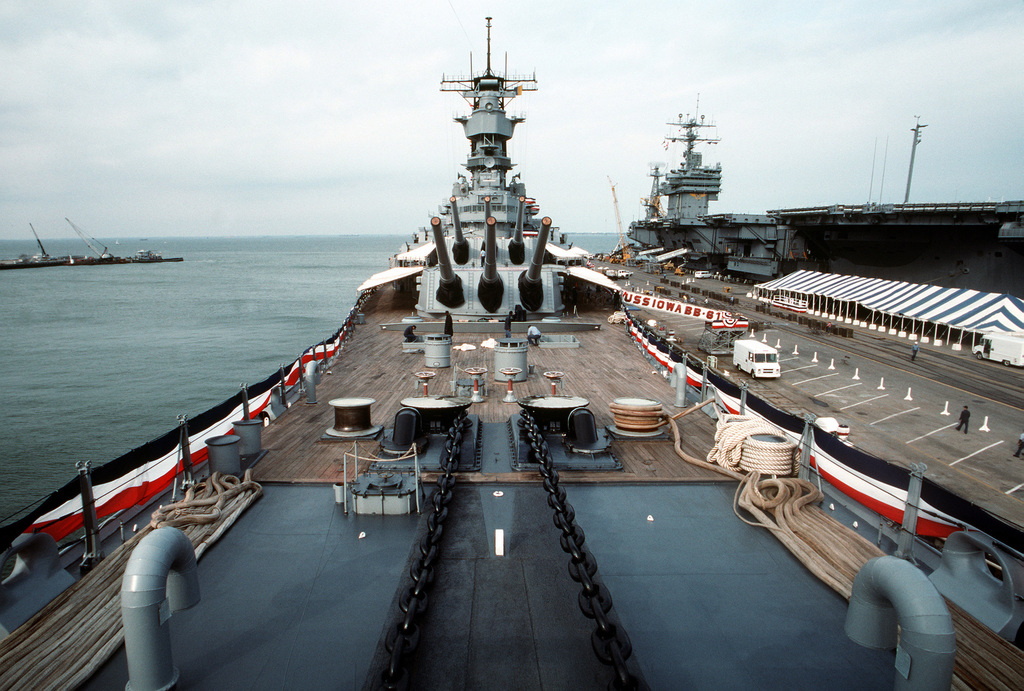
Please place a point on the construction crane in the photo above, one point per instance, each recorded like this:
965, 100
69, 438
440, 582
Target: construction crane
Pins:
103, 254
618, 221
39, 242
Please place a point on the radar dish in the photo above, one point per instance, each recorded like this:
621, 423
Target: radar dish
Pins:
489, 162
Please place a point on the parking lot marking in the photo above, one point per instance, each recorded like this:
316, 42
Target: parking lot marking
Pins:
797, 369
815, 378
932, 432
853, 405
1011, 491
889, 417
976, 452
848, 386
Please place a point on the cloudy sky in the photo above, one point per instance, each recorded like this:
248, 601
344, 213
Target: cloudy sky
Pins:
269, 118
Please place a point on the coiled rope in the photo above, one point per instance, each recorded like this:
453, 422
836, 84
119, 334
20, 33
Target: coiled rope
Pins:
639, 415
738, 447
71, 637
835, 554
204, 502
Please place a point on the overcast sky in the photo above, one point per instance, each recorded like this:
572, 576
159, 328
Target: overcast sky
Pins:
271, 118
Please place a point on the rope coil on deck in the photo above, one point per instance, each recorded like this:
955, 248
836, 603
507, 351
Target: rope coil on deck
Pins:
205, 501
637, 414
747, 443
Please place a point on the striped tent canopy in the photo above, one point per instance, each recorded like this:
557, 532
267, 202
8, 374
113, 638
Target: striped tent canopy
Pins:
956, 307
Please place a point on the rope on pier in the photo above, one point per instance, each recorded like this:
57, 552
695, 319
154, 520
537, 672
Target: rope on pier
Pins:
69, 639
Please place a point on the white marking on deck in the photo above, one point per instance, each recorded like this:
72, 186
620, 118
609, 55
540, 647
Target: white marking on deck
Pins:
932, 432
854, 405
976, 452
848, 386
815, 378
895, 414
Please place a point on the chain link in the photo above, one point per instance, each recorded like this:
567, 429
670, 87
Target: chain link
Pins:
610, 641
403, 637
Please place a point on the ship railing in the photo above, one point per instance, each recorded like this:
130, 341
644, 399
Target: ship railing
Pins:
139, 476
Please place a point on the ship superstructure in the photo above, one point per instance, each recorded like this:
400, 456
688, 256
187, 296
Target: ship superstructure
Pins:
677, 212
488, 248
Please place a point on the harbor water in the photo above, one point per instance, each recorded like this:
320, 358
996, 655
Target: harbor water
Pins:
98, 360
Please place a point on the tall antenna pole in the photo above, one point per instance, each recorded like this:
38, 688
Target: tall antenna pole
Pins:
488, 45
913, 150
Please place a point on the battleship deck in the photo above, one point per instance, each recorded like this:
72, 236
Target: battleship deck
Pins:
605, 367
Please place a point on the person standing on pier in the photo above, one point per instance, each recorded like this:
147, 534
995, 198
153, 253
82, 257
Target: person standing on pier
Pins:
965, 419
913, 351
1020, 445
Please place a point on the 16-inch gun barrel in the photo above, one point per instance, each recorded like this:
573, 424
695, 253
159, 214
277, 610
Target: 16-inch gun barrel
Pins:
516, 247
449, 289
531, 288
460, 248
491, 290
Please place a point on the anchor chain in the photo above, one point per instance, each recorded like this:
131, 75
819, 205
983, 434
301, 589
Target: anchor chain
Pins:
403, 637
610, 641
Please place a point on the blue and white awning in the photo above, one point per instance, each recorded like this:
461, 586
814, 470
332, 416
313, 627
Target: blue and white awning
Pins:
956, 307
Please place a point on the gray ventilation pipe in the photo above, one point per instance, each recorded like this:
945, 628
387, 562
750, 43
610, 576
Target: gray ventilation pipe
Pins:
460, 248
311, 375
449, 289
887, 591
160, 578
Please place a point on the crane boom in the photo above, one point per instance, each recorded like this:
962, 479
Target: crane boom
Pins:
103, 254
39, 242
618, 221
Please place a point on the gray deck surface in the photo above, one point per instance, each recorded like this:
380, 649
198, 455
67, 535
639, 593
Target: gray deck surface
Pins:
292, 599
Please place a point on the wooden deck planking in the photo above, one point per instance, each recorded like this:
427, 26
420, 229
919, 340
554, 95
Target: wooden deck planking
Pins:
605, 367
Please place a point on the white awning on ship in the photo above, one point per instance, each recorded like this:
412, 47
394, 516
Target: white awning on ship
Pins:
563, 253
957, 307
394, 274
644, 253
591, 276
673, 253
418, 253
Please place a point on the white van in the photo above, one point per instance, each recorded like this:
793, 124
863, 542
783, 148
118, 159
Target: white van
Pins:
702, 274
756, 359
1005, 348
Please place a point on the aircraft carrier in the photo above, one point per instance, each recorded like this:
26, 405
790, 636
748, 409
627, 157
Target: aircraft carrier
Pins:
977, 245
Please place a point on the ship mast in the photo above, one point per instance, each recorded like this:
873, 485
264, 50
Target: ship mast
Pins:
689, 133
913, 150
488, 128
